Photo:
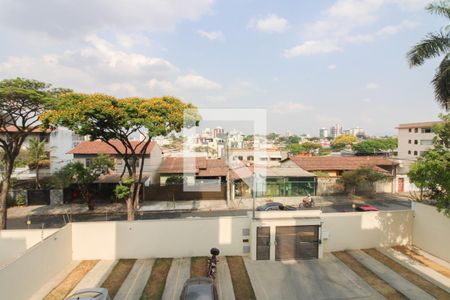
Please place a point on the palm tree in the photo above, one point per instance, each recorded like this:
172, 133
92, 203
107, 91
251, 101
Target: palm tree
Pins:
37, 153
436, 44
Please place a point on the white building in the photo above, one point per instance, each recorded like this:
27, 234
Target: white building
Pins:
336, 130
324, 133
413, 140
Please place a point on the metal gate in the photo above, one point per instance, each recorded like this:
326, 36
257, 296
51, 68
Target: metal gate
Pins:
297, 242
263, 243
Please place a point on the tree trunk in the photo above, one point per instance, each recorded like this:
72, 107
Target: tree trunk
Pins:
37, 184
130, 209
3, 206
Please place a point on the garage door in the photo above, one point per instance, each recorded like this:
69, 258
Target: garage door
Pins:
297, 242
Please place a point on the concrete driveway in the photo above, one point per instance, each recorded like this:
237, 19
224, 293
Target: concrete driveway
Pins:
326, 278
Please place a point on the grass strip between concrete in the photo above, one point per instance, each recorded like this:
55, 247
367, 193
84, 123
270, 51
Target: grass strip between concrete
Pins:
156, 283
71, 280
368, 276
199, 266
242, 285
409, 275
414, 255
118, 275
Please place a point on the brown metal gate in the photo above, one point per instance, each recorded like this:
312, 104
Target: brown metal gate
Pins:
263, 243
297, 242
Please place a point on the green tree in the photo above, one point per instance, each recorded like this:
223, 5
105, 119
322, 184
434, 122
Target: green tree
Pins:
374, 146
21, 103
431, 171
83, 177
37, 155
361, 177
107, 118
436, 44
343, 141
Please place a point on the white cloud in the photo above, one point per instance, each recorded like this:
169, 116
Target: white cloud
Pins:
384, 31
98, 66
132, 40
355, 10
332, 67
192, 81
67, 18
312, 47
271, 24
289, 107
372, 86
211, 35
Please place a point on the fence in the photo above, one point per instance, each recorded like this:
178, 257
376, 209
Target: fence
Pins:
177, 192
277, 189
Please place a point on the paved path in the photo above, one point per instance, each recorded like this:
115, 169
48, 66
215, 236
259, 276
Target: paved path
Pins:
50, 285
418, 268
391, 277
326, 278
180, 271
223, 280
96, 276
136, 280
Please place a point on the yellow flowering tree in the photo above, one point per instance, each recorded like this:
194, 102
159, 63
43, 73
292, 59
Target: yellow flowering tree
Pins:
107, 118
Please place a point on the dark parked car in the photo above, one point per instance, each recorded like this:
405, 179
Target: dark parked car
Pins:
199, 288
366, 207
275, 206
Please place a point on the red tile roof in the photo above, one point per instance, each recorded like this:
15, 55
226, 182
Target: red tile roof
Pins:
14, 129
342, 163
198, 165
100, 147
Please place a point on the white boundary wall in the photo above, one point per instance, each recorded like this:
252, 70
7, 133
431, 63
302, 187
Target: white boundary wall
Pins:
431, 231
26, 275
13, 243
361, 230
159, 238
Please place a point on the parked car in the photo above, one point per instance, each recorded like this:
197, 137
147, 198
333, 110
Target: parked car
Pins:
199, 288
275, 206
90, 294
366, 207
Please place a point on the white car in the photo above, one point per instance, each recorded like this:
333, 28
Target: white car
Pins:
90, 294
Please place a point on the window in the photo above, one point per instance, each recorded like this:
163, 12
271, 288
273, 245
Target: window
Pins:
415, 153
250, 157
426, 142
263, 158
409, 152
416, 130
410, 130
88, 162
416, 142
426, 130
409, 141
240, 157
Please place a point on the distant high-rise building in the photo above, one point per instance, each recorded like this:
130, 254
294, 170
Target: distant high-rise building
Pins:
336, 130
324, 133
357, 131
217, 131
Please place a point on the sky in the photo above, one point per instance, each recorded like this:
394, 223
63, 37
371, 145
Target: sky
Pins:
311, 64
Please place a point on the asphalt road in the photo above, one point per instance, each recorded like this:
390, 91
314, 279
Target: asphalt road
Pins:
57, 221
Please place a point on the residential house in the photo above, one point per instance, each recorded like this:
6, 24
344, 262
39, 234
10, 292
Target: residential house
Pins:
330, 168
23, 172
85, 151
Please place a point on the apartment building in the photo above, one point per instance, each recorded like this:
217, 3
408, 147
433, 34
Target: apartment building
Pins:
414, 139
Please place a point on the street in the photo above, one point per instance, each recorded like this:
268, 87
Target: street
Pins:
57, 221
